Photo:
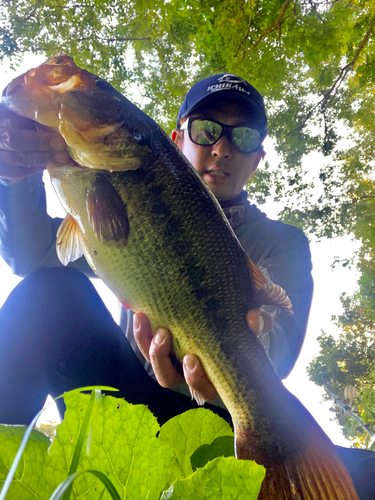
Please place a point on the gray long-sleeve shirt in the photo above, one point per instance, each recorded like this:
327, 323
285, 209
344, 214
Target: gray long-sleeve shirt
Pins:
281, 251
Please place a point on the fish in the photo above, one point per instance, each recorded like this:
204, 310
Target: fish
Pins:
153, 232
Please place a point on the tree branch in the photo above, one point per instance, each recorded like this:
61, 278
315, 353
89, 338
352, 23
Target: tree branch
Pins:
32, 13
122, 39
313, 6
244, 38
330, 94
275, 25
349, 412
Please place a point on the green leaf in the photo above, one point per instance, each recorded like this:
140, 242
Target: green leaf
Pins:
18, 456
33, 478
220, 447
189, 431
126, 455
94, 419
221, 479
81, 437
124, 448
66, 485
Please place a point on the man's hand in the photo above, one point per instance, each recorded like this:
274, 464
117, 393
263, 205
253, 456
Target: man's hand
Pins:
27, 148
157, 349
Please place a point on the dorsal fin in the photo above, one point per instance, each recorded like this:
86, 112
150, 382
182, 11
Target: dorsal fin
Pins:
256, 274
268, 293
273, 295
69, 241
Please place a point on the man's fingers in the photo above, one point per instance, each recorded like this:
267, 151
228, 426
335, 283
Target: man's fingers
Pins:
33, 159
157, 349
30, 140
259, 321
142, 334
16, 174
162, 360
12, 120
197, 379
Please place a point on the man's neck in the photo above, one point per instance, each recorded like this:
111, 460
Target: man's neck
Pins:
234, 201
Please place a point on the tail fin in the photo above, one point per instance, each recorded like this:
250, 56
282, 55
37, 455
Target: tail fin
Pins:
299, 466
323, 475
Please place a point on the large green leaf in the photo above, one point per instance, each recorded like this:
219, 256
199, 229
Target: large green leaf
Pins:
221, 479
125, 455
34, 477
189, 431
124, 447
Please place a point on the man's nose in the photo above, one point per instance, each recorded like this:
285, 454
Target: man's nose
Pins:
222, 148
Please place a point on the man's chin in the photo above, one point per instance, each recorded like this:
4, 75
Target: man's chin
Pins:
220, 193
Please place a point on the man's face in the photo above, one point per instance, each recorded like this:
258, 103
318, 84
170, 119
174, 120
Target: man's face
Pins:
222, 166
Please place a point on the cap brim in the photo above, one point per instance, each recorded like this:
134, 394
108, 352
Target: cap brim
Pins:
227, 96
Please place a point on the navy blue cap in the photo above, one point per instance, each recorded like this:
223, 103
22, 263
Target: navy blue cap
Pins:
225, 86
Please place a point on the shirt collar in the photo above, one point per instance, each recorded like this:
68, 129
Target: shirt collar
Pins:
235, 209
238, 200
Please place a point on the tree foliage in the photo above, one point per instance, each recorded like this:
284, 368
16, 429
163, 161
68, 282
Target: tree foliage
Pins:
345, 368
312, 60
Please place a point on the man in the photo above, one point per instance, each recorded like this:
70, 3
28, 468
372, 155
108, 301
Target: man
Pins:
52, 338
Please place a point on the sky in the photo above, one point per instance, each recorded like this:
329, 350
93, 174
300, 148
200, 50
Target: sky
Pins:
329, 283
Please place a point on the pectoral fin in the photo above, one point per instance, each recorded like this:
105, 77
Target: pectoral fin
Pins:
107, 212
69, 241
256, 274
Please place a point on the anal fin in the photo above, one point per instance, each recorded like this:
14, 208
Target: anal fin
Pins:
194, 395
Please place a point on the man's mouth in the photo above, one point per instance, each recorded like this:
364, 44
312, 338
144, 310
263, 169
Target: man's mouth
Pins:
217, 173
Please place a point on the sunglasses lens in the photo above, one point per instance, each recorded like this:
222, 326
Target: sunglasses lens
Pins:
205, 132
245, 138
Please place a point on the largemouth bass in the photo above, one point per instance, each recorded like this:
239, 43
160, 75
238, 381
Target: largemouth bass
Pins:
154, 233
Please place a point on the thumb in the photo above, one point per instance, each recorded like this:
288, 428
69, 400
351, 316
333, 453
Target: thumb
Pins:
260, 322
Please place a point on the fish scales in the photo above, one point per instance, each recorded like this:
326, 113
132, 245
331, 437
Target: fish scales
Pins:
154, 233
189, 281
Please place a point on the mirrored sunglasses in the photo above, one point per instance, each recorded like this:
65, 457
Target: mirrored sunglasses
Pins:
208, 132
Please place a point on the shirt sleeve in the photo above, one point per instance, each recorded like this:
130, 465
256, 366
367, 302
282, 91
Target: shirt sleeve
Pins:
27, 232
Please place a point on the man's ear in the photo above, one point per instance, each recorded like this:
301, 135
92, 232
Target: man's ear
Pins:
176, 137
258, 156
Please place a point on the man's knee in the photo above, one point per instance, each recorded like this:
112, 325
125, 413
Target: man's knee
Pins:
54, 285
51, 278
